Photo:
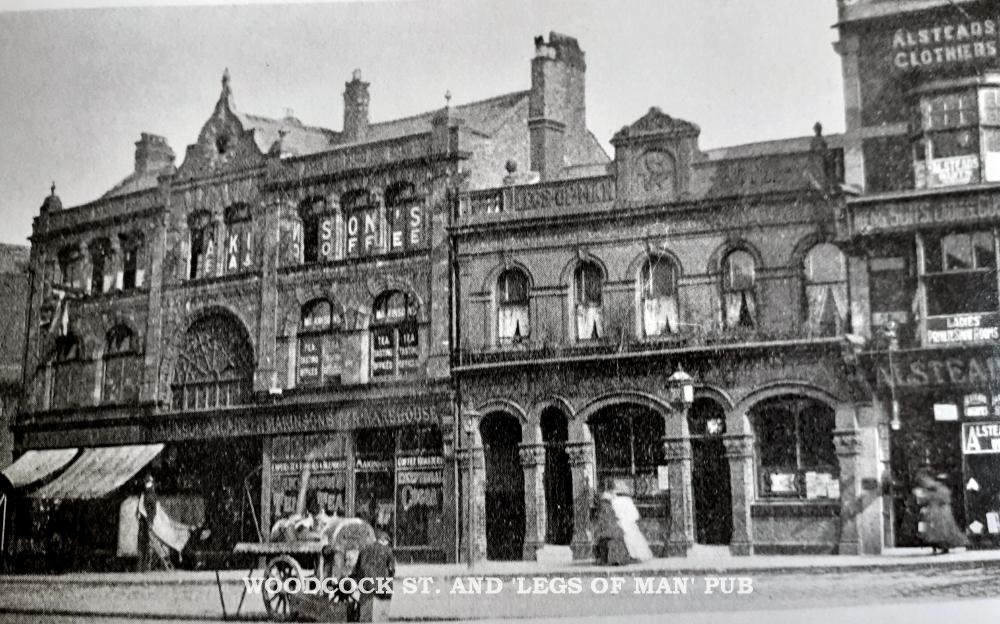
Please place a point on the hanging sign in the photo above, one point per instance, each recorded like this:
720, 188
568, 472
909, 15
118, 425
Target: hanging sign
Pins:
980, 438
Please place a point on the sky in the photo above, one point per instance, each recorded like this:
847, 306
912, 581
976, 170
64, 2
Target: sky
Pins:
79, 85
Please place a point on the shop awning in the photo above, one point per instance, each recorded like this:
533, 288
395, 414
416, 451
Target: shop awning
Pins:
99, 471
34, 466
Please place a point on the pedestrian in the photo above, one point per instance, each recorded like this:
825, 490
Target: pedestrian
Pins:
939, 529
375, 561
607, 534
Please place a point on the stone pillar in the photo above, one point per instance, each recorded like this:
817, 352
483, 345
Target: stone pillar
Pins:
582, 465
677, 452
266, 376
739, 451
477, 489
848, 445
533, 462
115, 267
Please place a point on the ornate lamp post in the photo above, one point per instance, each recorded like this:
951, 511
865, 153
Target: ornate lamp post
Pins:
677, 452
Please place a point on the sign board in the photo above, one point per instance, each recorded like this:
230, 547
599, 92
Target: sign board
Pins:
409, 348
663, 477
309, 362
327, 239
382, 348
981, 438
564, 194
963, 328
904, 215
362, 232
406, 227
945, 42
945, 412
952, 171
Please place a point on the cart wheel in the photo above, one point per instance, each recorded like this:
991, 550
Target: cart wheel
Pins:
279, 604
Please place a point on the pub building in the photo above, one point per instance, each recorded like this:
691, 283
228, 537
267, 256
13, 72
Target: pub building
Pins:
279, 302
922, 148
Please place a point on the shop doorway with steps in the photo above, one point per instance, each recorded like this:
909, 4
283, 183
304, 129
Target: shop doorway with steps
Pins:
713, 503
501, 435
558, 479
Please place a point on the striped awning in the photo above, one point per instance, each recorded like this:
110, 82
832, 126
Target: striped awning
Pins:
34, 466
99, 471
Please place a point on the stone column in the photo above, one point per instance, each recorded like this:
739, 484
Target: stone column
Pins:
477, 489
582, 465
677, 452
114, 266
848, 445
739, 451
533, 462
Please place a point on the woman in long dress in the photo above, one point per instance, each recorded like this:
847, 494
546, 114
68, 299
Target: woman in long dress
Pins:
628, 518
940, 530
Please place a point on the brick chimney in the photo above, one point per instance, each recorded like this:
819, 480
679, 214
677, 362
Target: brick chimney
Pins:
152, 154
556, 109
355, 109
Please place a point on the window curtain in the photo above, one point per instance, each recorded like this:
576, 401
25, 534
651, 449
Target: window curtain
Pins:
741, 309
513, 322
589, 322
659, 315
827, 307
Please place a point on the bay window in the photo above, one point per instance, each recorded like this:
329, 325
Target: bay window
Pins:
956, 138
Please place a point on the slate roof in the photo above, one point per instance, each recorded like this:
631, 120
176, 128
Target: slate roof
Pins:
485, 116
299, 139
136, 182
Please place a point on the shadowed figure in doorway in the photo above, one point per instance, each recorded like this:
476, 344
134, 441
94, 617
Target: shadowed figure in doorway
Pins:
937, 524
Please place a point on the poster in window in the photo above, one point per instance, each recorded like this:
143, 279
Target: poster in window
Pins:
327, 241
406, 227
362, 232
238, 248
419, 505
382, 350
409, 349
310, 361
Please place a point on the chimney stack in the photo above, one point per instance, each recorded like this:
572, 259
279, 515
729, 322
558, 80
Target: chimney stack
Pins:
556, 108
355, 109
152, 154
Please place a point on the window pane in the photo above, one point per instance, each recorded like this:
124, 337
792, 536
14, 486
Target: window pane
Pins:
588, 284
955, 143
961, 293
659, 277
957, 250
982, 248
317, 315
739, 273
611, 443
513, 287
774, 427
824, 264
816, 423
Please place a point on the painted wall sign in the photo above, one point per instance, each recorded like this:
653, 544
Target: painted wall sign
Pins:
923, 371
897, 215
578, 192
980, 438
362, 232
946, 42
406, 227
963, 328
382, 350
309, 361
952, 171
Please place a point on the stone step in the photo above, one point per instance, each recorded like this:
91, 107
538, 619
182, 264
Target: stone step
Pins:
552, 554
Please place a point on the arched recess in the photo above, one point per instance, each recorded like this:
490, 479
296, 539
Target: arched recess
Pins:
846, 418
554, 425
213, 363
711, 493
500, 433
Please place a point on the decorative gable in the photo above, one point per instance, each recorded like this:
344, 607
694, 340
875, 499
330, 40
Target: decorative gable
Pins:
654, 157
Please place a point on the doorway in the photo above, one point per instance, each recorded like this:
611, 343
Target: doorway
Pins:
501, 435
558, 479
713, 503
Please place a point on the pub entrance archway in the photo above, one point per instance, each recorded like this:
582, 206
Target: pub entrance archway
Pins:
558, 478
501, 435
710, 487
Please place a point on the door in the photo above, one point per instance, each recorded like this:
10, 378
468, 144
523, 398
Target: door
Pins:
713, 503
558, 479
501, 435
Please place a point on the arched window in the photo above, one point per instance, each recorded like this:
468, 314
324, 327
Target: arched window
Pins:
318, 320
239, 238
133, 271
318, 236
628, 446
826, 290
395, 345
202, 245
361, 222
658, 296
795, 451
101, 272
588, 287
738, 284
68, 385
71, 267
405, 216
122, 366
214, 366
513, 317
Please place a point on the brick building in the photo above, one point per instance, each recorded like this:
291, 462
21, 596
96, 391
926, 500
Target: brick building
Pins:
922, 149
578, 302
277, 301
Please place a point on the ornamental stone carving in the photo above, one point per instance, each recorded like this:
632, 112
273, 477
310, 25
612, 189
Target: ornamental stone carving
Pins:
739, 446
532, 455
580, 453
676, 449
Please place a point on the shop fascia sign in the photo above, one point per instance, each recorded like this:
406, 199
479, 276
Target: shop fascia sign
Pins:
926, 371
963, 328
981, 438
945, 42
891, 216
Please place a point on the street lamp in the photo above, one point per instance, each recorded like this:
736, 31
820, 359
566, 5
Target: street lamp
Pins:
890, 330
469, 422
682, 387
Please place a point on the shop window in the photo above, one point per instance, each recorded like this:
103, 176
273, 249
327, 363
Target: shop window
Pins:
71, 268
588, 286
318, 235
395, 342
738, 284
239, 238
68, 383
513, 316
122, 367
132, 271
202, 244
101, 273
658, 296
825, 290
361, 223
795, 452
404, 216
957, 141
628, 442
318, 320
327, 488
214, 367
375, 457
960, 273
419, 488
892, 288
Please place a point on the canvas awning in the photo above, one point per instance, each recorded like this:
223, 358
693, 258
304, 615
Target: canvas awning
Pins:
34, 466
99, 471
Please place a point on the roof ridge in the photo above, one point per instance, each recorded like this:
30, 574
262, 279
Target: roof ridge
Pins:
512, 94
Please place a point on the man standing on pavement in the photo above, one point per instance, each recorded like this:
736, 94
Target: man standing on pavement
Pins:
375, 561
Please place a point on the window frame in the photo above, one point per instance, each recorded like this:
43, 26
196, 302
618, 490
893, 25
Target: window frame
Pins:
584, 302
645, 289
796, 407
504, 301
395, 328
936, 271
811, 282
310, 333
116, 359
730, 288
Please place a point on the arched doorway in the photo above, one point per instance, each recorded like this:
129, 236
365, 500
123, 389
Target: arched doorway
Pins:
628, 447
558, 478
501, 435
710, 491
